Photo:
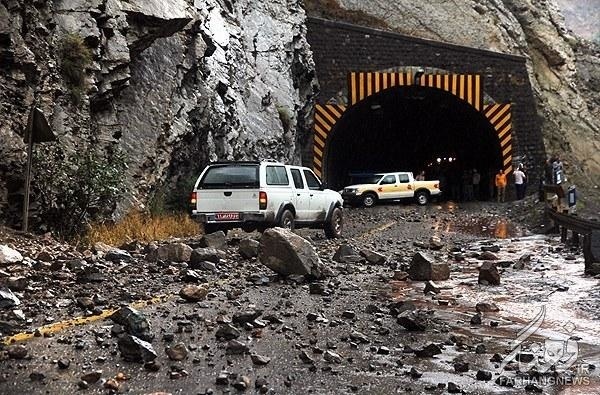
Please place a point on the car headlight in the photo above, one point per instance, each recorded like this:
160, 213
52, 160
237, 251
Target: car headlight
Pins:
351, 191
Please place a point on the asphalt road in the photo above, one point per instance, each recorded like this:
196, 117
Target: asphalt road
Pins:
360, 298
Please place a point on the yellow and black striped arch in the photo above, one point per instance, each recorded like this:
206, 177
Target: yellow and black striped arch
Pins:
326, 116
500, 117
467, 87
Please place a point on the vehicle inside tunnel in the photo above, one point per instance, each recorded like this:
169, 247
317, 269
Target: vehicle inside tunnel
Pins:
412, 128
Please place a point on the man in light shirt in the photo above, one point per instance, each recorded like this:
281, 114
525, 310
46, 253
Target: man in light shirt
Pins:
520, 179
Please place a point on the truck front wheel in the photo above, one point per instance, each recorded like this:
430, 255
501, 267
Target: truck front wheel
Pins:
287, 220
422, 198
333, 227
369, 199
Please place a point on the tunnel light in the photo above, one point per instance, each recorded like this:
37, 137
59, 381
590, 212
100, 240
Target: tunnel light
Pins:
439, 160
450, 160
375, 106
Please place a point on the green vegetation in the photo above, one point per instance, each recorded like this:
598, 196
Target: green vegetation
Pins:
75, 56
74, 189
168, 200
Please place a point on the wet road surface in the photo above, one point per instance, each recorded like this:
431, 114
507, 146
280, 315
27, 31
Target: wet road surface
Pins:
551, 279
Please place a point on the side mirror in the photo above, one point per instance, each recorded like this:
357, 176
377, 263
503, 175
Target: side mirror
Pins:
323, 186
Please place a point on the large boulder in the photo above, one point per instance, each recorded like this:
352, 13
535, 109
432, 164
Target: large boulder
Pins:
216, 240
135, 349
134, 322
9, 256
287, 253
200, 255
8, 299
423, 268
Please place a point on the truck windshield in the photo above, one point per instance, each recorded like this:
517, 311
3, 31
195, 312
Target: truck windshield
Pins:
365, 178
230, 176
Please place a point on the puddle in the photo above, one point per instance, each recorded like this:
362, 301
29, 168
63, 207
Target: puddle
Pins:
499, 228
550, 284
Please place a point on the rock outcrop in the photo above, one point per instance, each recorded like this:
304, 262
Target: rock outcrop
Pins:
173, 83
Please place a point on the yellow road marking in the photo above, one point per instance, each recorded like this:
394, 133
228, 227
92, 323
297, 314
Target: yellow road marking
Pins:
378, 229
81, 320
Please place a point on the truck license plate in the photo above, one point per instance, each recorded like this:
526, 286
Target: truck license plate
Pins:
227, 216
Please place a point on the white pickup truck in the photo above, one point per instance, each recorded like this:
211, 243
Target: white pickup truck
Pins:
388, 186
257, 195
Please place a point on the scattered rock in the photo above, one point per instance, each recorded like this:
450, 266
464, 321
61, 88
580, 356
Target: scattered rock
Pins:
488, 274
216, 240
8, 299
193, 293
486, 307
117, 255
236, 347
476, 319
176, 252
461, 367
332, 357
260, 359
227, 332
135, 349
17, 351
414, 373
430, 286
16, 284
286, 253
178, 352
242, 384
348, 314
92, 377
400, 275
428, 351
134, 322
201, 255
9, 256
488, 256
316, 288
453, 388
423, 268
248, 248
484, 375
435, 243
347, 254
413, 320
490, 248
373, 257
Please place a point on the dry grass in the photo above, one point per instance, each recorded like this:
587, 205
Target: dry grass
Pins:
144, 228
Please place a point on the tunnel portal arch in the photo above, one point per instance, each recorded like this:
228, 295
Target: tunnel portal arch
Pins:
395, 125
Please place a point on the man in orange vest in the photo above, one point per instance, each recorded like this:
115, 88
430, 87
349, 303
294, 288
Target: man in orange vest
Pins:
501, 185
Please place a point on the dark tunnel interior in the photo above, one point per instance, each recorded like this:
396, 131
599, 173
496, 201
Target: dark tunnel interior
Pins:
412, 128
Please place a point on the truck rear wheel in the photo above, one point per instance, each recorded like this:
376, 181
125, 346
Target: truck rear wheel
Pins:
422, 198
287, 220
333, 227
369, 199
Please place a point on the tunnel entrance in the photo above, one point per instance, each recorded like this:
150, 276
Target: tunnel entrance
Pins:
412, 128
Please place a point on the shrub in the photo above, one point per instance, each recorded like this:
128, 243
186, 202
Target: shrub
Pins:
75, 56
74, 189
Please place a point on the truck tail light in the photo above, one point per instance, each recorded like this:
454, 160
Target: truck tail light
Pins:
436, 186
409, 187
262, 200
194, 198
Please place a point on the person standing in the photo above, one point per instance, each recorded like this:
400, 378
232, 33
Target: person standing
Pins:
500, 185
476, 181
420, 176
520, 182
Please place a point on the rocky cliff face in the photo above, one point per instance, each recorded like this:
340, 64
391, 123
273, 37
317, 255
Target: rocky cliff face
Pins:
564, 69
173, 83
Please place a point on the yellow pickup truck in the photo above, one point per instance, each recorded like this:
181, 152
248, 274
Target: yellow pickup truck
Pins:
390, 186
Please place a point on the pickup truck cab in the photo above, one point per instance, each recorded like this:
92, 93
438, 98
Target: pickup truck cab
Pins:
257, 195
389, 186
